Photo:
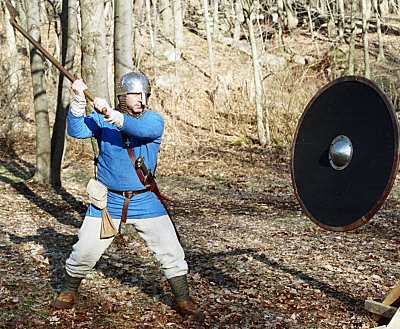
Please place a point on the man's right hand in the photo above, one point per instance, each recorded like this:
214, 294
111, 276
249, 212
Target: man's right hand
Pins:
78, 101
78, 86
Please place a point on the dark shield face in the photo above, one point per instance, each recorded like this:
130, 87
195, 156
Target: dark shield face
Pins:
345, 154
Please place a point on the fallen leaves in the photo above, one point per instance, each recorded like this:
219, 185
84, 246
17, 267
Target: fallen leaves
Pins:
255, 260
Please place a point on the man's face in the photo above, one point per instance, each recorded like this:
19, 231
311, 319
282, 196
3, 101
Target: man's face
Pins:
134, 102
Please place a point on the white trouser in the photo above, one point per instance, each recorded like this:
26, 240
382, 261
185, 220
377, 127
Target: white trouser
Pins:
158, 233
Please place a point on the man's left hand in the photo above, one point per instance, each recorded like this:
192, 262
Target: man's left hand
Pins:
116, 118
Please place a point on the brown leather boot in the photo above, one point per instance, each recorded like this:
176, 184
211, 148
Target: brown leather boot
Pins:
69, 293
189, 309
65, 300
184, 304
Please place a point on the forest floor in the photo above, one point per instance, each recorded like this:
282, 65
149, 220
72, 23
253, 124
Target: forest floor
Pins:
255, 260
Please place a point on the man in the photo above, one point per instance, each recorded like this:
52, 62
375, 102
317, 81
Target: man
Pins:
132, 126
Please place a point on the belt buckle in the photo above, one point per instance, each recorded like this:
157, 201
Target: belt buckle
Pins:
127, 194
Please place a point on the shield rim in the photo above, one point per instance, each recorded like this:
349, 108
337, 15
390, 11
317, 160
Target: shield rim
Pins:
364, 219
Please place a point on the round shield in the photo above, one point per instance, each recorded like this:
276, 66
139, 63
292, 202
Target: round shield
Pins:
345, 153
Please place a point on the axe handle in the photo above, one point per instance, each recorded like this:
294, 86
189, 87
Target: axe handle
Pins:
51, 58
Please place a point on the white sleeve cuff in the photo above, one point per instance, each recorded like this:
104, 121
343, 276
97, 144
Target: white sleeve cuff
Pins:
116, 118
78, 106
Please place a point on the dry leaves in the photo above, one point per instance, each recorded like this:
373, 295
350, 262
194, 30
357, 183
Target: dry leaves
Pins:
256, 261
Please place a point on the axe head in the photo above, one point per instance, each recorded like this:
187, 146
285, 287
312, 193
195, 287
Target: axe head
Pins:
13, 12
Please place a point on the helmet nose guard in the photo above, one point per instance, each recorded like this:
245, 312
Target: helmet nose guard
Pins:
134, 83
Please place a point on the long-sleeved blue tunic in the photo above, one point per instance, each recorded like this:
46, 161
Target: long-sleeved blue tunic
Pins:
114, 167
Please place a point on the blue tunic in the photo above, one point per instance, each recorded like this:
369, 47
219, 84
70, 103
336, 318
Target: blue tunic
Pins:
115, 168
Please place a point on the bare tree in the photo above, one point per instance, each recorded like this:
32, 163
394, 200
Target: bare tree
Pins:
209, 41
156, 22
150, 26
109, 38
12, 75
310, 21
323, 6
341, 19
280, 6
352, 43
384, 7
94, 50
263, 130
166, 18
69, 32
396, 7
40, 102
123, 42
239, 19
381, 54
364, 9
291, 15
138, 19
216, 20
14, 69
178, 20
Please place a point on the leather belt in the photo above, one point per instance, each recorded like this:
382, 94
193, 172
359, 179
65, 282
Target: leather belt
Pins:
129, 194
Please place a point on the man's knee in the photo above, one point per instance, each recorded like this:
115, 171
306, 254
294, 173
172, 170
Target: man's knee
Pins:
173, 262
178, 269
79, 264
86, 258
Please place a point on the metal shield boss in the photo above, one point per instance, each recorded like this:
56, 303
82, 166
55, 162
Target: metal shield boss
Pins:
345, 153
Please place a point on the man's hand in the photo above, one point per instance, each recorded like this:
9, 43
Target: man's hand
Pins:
111, 116
100, 104
116, 118
78, 102
78, 86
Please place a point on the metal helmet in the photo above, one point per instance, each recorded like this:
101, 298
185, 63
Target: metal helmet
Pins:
134, 83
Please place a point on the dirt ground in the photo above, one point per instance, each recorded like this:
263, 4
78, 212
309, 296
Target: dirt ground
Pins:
255, 260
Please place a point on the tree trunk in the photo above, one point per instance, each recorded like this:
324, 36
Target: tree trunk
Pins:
94, 51
341, 19
167, 19
397, 7
138, 19
384, 7
216, 20
155, 21
281, 20
392, 6
123, 43
179, 38
368, 6
365, 38
69, 31
381, 54
352, 43
14, 65
109, 37
150, 26
263, 131
209, 41
40, 103
322, 7
239, 19
13, 73
292, 19
310, 22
